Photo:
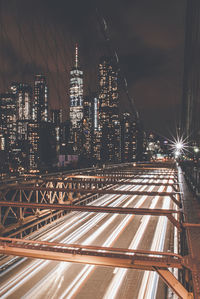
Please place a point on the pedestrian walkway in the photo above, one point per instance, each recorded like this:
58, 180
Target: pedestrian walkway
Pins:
191, 210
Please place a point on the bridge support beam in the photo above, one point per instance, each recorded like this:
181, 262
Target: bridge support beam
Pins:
174, 284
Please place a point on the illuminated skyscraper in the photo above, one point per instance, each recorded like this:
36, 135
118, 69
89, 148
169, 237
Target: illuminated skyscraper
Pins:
128, 138
8, 119
23, 97
191, 80
109, 114
40, 102
87, 126
76, 104
76, 93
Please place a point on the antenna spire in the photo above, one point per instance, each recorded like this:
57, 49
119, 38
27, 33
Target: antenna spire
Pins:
76, 56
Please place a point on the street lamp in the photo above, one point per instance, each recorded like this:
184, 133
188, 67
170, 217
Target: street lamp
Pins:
179, 146
196, 149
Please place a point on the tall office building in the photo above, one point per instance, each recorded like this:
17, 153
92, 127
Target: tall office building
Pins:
108, 113
87, 126
40, 101
8, 117
76, 93
76, 103
56, 119
129, 138
23, 96
191, 79
56, 116
96, 131
33, 139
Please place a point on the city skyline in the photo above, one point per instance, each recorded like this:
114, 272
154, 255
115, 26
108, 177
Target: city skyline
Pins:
150, 60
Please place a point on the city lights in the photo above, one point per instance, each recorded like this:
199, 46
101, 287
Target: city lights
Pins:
179, 146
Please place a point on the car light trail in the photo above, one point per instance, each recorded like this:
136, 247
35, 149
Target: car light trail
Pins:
88, 269
37, 266
149, 283
76, 283
77, 229
120, 273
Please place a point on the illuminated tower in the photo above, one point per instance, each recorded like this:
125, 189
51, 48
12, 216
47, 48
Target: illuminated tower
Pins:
8, 109
23, 96
129, 135
108, 113
76, 93
40, 103
191, 80
76, 104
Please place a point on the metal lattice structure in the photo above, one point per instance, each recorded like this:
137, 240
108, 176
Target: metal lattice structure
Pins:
40, 200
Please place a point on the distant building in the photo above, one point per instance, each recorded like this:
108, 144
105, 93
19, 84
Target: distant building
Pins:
23, 97
56, 116
40, 101
109, 111
87, 126
96, 131
8, 118
126, 138
56, 120
34, 138
76, 103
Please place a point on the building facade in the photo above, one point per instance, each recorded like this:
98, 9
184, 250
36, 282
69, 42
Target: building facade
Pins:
109, 111
76, 103
40, 101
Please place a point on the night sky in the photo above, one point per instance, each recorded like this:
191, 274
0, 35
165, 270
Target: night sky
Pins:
39, 36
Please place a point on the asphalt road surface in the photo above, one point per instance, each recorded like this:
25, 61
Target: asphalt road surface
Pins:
32, 278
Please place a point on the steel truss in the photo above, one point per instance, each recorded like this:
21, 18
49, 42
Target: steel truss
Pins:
37, 201
101, 256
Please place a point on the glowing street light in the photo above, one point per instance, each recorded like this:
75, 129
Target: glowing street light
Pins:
196, 149
179, 146
177, 153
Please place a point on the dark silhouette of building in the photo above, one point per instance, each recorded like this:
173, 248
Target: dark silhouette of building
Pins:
191, 80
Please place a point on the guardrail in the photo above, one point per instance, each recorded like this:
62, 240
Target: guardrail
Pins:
191, 172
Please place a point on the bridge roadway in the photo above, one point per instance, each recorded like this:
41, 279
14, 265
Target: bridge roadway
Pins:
32, 278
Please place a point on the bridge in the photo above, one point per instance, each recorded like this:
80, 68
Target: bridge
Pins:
124, 230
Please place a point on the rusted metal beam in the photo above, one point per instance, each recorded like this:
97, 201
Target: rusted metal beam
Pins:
89, 208
97, 209
193, 263
23, 226
93, 247
95, 190
174, 284
191, 225
148, 176
172, 195
91, 180
95, 255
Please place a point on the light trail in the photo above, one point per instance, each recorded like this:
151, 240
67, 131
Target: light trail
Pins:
120, 273
24, 276
87, 269
149, 283
52, 285
108, 242
36, 264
